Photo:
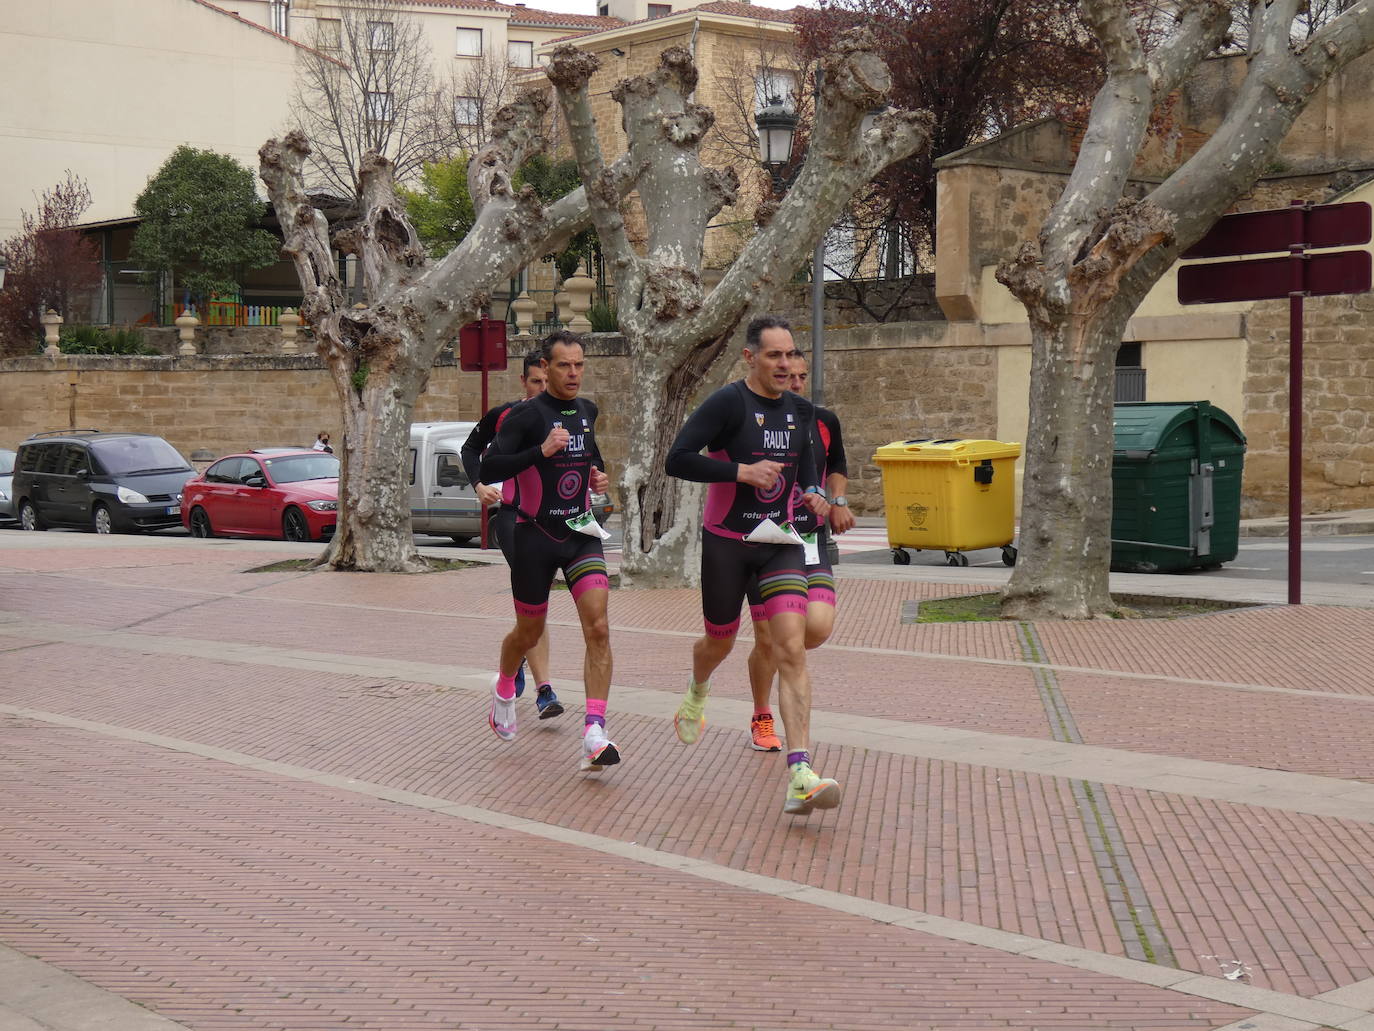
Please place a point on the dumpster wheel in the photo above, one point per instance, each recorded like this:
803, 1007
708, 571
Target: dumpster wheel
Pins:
955, 558
900, 557
1008, 555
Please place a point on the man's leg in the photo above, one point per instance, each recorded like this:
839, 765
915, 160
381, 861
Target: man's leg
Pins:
590, 588
545, 700
531, 576
725, 570
763, 735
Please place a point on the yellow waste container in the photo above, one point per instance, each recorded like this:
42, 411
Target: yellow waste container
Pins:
949, 495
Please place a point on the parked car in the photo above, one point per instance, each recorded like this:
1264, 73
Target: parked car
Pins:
442, 501
288, 493
7, 510
108, 482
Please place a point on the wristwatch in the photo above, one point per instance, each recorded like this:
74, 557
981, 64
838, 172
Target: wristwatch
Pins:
842, 501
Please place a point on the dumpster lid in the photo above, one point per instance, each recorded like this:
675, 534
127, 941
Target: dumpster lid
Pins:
1144, 427
950, 450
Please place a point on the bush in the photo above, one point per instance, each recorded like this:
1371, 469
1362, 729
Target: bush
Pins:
99, 340
602, 316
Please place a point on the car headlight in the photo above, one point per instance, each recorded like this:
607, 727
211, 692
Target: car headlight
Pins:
323, 506
600, 499
4, 496
130, 497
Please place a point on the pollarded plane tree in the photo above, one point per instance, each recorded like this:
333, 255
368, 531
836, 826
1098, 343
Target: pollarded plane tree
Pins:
674, 331
379, 356
1098, 254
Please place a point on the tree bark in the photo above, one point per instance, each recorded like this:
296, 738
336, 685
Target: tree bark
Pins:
1097, 256
379, 355
676, 334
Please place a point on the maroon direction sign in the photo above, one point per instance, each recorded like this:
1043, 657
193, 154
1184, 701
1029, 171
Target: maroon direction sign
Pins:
1258, 232
1337, 272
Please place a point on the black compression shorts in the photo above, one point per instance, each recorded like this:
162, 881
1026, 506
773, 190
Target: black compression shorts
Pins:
535, 557
820, 582
727, 568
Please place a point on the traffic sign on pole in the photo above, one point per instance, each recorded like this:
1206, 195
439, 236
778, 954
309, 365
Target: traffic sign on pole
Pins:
1294, 229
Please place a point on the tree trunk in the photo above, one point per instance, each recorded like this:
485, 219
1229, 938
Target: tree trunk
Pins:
1066, 506
373, 531
662, 514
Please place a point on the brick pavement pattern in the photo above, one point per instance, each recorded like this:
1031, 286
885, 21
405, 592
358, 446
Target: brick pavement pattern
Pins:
222, 896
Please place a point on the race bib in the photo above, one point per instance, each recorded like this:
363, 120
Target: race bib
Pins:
586, 523
769, 532
811, 549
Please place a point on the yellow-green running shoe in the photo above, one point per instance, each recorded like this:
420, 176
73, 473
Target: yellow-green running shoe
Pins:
807, 790
690, 718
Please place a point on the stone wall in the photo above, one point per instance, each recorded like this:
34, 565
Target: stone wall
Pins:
887, 382
1338, 405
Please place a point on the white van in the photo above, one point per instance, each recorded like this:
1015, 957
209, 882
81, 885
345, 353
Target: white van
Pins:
442, 501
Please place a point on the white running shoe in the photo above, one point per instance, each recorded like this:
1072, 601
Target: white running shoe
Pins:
502, 718
598, 751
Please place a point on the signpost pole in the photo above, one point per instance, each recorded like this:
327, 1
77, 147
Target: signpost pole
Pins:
483, 410
1295, 433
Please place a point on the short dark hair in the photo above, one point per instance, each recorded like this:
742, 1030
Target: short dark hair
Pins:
756, 328
531, 360
558, 336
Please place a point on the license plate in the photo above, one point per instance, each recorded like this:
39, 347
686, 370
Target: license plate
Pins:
174, 510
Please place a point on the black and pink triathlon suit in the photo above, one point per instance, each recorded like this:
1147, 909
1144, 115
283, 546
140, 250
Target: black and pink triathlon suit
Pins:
739, 427
547, 492
473, 448
828, 446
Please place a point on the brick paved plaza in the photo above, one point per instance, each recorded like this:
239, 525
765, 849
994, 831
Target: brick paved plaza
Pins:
271, 800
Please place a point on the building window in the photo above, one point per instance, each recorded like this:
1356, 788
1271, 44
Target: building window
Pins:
329, 33
1130, 377
381, 35
775, 82
280, 12
467, 111
379, 107
469, 43
604, 10
520, 53
660, 10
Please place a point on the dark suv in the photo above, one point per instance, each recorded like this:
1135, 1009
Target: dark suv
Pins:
109, 482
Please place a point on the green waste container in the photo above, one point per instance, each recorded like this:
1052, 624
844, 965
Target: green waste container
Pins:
1176, 472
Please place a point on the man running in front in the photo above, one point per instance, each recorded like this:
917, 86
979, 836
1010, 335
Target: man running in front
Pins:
828, 444
533, 379
759, 466
548, 445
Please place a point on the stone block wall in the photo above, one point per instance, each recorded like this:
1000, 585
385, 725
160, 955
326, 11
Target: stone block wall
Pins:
887, 382
1338, 406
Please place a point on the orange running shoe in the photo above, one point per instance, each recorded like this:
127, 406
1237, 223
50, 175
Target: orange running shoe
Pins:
762, 736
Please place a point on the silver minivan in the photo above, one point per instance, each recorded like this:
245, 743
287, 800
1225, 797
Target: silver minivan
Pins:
442, 501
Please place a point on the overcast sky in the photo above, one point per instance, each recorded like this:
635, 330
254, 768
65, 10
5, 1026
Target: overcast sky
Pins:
589, 6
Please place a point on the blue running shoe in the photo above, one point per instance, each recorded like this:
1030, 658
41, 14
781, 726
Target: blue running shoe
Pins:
520, 679
547, 703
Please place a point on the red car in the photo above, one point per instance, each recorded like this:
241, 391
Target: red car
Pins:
292, 494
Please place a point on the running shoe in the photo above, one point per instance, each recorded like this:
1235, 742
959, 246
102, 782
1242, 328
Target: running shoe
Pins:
690, 718
598, 751
762, 736
502, 718
547, 703
807, 790
520, 679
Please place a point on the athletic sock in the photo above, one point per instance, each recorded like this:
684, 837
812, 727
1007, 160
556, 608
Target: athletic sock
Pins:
762, 711
505, 687
699, 691
596, 712
541, 687
793, 758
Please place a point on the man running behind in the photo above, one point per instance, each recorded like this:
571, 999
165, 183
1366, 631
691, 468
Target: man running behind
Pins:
828, 444
532, 378
548, 445
760, 465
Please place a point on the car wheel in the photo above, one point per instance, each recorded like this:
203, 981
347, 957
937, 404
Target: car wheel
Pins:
101, 520
294, 527
28, 516
200, 523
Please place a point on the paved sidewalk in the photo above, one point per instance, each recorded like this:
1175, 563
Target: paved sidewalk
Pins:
271, 800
